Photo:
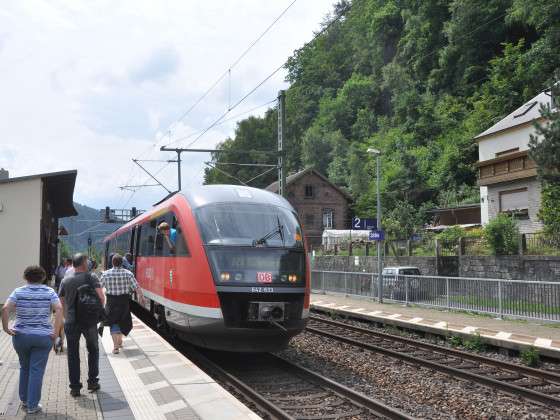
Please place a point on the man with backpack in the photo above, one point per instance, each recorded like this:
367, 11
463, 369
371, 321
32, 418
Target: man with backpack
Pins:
82, 298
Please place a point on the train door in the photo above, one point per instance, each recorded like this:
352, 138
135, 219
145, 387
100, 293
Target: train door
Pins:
165, 252
144, 258
131, 247
135, 246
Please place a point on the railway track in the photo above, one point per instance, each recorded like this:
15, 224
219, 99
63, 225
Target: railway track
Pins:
281, 388
536, 385
285, 390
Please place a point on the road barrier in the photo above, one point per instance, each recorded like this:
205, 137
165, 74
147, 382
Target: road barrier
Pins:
511, 298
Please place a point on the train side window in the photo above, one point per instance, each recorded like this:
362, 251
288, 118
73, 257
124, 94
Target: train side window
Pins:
181, 248
159, 251
177, 240
146, 248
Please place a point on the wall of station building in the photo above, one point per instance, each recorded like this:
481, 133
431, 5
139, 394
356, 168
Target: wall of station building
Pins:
20, 228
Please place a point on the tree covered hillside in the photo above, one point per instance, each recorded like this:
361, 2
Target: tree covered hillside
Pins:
415, 79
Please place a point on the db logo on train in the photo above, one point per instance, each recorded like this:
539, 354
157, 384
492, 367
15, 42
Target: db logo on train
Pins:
264, 277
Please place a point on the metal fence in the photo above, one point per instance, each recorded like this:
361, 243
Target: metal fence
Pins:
513, 298
540, 244
529, 244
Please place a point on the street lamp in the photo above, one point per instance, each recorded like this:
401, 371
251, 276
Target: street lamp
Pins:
377, 154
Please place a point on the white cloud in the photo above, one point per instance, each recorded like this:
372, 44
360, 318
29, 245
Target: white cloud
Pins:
90, 85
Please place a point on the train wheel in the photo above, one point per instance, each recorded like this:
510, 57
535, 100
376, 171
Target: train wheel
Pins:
161, 320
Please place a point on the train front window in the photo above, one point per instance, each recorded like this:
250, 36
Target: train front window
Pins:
249, 225
240, 266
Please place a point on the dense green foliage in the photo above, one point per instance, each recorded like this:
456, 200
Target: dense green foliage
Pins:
550, 209
414, 79
545, 151
502, 235
64, 250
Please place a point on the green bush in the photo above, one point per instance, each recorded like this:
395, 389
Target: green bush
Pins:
455, 341
451, 234
530, 357
502, 235
474, 343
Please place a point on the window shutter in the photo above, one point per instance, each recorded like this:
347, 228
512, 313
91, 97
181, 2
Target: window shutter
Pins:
514, 200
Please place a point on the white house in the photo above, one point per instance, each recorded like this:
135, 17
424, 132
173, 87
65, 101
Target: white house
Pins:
507, 176
30, 207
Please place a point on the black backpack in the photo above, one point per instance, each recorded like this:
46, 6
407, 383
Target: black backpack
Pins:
89, 311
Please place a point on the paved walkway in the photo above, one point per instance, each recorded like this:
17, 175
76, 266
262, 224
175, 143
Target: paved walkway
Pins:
148, 380
511, 334
56, 400
160, 383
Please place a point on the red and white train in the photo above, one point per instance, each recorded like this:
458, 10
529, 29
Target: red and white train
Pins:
234, 275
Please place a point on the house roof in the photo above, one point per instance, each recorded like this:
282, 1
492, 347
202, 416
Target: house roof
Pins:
459, 207
59, 189
526, 113
294, 177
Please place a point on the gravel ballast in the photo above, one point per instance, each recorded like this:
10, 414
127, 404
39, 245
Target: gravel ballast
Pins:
492, 352
418, 391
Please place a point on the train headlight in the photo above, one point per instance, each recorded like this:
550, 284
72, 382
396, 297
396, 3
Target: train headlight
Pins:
238, 276
283, 278
224, 276
292, 278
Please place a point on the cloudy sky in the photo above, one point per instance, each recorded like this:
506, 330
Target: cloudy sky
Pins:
91, 85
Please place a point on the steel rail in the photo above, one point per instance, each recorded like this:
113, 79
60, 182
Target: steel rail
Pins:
536, 373
249, 393
513, 389
361, 401
371, 404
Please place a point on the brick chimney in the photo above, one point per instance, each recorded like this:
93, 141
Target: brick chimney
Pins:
4, 174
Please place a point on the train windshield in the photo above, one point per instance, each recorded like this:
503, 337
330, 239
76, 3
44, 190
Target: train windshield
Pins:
244, 224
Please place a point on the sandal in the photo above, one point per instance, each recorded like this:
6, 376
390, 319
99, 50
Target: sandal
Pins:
116, 351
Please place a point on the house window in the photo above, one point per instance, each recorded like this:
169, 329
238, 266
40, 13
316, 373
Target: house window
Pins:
309, 220
328, 218
515, 201
309, 191
507, 152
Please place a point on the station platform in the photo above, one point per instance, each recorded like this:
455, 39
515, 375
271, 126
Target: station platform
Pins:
148, 379
515, 335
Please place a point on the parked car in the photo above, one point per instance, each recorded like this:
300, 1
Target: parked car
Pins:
394, 285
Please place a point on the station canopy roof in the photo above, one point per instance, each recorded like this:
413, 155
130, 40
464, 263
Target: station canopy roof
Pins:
59, 187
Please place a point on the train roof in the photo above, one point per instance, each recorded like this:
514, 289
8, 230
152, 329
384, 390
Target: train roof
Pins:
210, 194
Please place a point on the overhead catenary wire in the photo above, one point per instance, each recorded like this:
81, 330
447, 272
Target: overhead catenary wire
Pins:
228, 71
224, 121
211, 88
146, 180
235, 63
262, 82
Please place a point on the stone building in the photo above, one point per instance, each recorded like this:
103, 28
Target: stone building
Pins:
30, 207
506, 175
319, 203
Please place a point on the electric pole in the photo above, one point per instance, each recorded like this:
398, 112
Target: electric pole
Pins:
281, 125
178, 151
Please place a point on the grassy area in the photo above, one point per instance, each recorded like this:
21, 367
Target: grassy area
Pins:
360, 252
516, 307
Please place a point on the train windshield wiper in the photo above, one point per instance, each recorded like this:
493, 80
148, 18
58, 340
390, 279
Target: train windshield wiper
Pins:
278, 230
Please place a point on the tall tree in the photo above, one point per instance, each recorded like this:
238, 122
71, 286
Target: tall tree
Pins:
545, 151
